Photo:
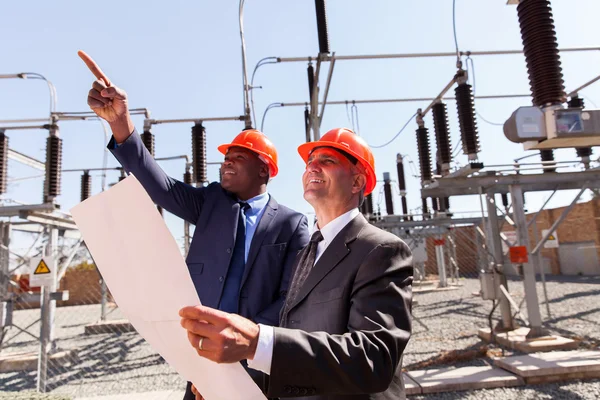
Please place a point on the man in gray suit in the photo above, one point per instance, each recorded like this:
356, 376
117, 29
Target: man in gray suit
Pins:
347, 317
242, 254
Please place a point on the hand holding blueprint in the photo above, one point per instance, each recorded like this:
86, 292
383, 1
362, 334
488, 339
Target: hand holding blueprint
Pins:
147, 276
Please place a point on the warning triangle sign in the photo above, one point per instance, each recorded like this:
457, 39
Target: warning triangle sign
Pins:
42, 268
551, 237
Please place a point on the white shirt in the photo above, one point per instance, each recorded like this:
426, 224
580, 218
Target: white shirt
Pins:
264, 349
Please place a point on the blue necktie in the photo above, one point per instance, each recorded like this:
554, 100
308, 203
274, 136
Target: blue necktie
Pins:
231, 291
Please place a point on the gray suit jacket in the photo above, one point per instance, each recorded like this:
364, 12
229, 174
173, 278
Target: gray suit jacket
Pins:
280, 235
345, 333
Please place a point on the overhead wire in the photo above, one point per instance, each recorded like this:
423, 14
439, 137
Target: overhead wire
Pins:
397, 134
264, 61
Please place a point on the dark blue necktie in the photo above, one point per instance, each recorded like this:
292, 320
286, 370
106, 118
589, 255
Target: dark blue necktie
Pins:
231, 291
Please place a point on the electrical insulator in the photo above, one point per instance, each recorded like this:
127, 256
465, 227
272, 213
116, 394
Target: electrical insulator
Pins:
311, 80
541, 52
576, 102
548, 155
504, 197
584, 151
53, 165
424, 207
322, 26
444, 204
3, 161
404, 206
187, 177
435, 204
442, 135
369, 202
424, 153
307, 124
199, 153
148, 140
86, 185
387, 191
466, 117
401, 178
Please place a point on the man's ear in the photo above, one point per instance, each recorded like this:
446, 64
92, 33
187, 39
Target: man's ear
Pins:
359, 184
264, 171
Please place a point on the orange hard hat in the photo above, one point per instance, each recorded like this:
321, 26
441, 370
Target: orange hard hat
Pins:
349, 142
257, 142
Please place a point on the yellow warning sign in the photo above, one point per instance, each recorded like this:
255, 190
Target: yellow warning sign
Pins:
41, 269
551, 237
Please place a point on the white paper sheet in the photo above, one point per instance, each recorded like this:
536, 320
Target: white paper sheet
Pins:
147, 276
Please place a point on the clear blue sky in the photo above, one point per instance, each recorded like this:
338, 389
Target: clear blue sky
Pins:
182, 59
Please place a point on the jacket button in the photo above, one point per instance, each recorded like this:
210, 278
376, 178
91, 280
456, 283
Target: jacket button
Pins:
221, 279
228, 250
293, 321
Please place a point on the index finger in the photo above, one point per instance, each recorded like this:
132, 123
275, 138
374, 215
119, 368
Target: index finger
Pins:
202, 313
91, 64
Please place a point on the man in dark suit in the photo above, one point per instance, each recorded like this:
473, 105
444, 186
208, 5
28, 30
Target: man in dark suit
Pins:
347, 317
244, 245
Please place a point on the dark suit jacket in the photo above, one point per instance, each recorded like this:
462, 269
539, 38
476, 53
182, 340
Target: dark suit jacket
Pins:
280, 234
345, 333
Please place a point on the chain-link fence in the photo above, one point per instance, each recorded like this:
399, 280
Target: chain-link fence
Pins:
92, 350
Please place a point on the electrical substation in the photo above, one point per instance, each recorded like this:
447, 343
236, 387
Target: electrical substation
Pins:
501, 248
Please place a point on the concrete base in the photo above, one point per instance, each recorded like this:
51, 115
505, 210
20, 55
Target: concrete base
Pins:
552, 367
466, 378
517, 340
116, 326
410, 386
29, 361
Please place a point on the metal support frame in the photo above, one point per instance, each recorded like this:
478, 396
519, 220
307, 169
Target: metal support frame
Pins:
495, 245
441, 263
560, 219
531, 297
48, 308
5, 231
314, 104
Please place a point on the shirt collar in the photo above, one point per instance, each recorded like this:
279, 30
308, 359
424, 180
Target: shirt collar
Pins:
334, 227
257, 203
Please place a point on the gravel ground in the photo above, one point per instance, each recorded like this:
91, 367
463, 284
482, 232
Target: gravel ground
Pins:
124, 363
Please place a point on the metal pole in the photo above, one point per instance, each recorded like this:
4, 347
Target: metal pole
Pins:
327, 85
47, 318
4, 260
559, 220
314, 104
529, 283
431, 55
495, 244
441, 263
538, 257
103, 300
186, 237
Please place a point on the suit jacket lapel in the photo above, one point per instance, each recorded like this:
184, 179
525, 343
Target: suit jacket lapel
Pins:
334, 253
259, 235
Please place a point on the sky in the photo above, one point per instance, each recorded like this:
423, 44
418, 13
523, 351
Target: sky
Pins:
182, 59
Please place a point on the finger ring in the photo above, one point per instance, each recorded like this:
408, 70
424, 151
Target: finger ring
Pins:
200, 343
